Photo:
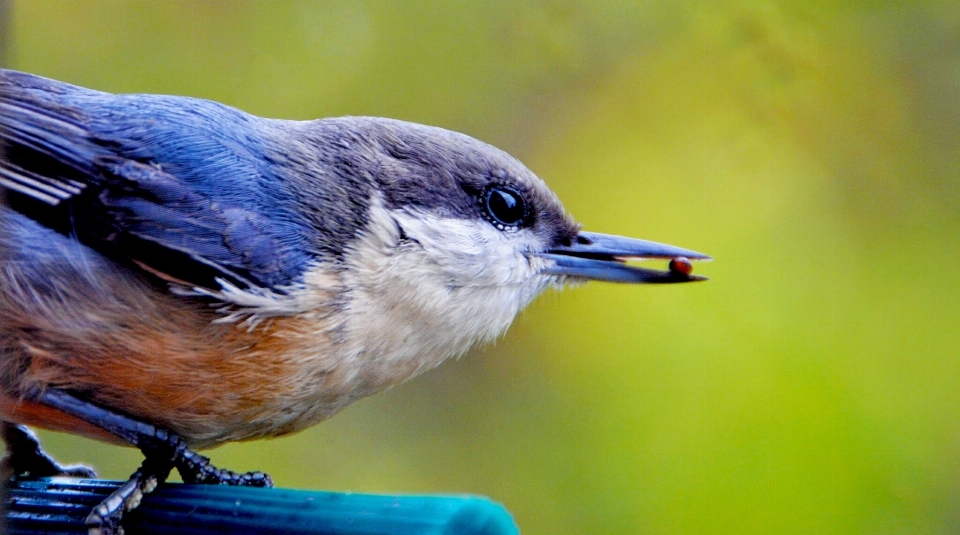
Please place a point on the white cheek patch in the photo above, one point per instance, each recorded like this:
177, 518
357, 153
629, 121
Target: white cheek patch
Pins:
471, 252
452, 283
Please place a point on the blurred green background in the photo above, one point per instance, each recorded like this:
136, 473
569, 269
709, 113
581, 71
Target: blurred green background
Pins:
812, 147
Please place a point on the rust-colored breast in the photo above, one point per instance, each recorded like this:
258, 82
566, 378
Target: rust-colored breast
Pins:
208, 382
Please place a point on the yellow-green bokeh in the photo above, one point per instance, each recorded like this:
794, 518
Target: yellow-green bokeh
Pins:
813, 148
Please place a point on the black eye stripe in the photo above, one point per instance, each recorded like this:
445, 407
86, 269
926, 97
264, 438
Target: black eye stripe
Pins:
504, 207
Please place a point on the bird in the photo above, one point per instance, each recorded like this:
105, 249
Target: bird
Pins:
176, 274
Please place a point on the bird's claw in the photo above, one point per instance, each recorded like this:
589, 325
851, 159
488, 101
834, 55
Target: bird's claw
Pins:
26, 457
195, 468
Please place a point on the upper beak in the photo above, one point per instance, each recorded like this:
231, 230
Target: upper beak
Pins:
601, 257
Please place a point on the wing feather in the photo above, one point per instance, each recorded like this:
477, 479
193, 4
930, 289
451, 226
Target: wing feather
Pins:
65, 162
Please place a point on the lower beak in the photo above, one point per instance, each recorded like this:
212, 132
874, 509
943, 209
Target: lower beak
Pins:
602, 257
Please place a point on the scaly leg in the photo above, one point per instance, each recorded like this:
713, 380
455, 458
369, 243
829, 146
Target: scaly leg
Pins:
163, 451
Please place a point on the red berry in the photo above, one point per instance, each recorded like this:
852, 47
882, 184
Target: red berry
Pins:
681, 264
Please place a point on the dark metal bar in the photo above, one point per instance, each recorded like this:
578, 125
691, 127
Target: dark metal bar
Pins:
58, 506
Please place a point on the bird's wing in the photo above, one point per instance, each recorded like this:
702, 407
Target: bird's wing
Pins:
152, 181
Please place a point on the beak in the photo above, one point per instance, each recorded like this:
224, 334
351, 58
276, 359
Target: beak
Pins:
602, 257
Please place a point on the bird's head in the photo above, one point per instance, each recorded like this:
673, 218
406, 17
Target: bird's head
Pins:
460, 236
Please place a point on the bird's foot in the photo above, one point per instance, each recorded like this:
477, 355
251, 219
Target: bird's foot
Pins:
195, 468
105, 518
25, 457
163, 450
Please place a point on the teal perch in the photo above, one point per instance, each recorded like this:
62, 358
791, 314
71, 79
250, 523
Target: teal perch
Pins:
58, 506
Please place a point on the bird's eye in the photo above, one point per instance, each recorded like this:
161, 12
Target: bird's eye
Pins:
504, 207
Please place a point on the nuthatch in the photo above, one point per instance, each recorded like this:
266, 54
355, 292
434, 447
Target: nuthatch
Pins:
176, 273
